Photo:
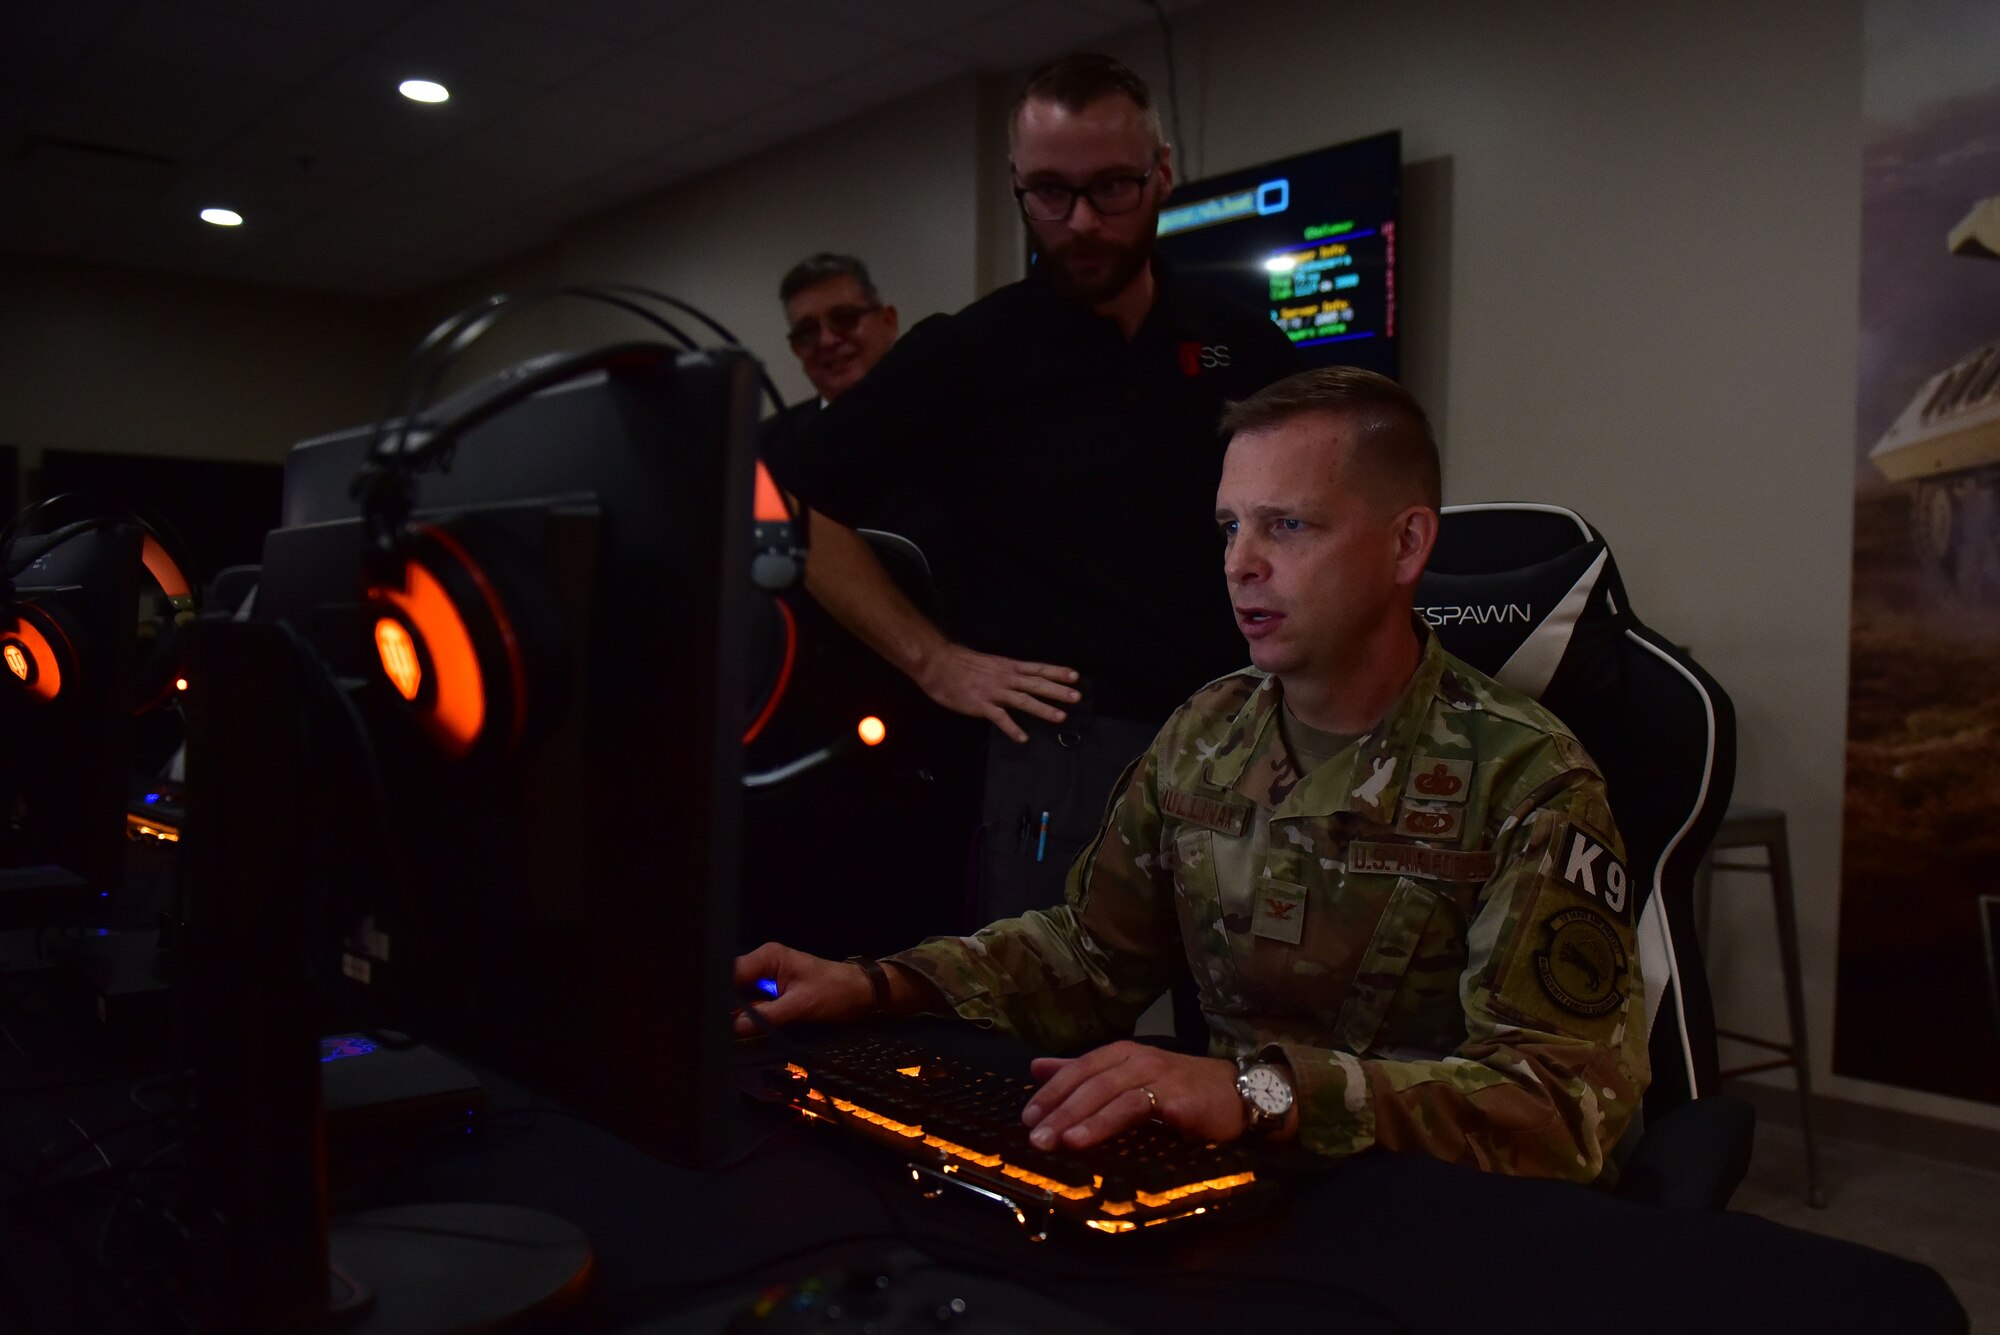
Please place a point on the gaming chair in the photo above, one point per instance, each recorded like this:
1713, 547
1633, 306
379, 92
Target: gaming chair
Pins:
1530, 595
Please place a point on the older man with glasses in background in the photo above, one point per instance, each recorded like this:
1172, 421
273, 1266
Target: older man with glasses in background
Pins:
838, 327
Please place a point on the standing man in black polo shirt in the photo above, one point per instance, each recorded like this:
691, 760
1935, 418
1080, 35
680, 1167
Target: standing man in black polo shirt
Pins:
1067, 425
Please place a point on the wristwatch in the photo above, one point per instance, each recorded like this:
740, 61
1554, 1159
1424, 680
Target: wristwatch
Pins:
1267, 1094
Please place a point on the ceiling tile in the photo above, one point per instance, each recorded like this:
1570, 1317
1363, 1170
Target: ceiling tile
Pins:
119, 97
26, 234
1025, 33
347, 120
436, 196
351, 21
907, 20
225, 44
31, 61
1124, 13
678, 96
478, 42
365, 247
559, 138
268, 203
69, 210
64, 20
625, 19
270, 161
774, 41
184, 244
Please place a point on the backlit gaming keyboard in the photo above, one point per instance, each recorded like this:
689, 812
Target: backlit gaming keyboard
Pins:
961, 1125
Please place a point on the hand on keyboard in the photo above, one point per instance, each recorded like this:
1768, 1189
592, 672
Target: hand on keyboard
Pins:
1088, 1099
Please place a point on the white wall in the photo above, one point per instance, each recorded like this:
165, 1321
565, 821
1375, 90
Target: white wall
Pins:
1648, 312
102, 359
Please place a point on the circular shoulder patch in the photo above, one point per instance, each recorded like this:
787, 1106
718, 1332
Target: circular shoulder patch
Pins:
1582, 962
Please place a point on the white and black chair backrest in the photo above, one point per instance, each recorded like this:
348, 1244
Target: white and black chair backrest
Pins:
1529, 595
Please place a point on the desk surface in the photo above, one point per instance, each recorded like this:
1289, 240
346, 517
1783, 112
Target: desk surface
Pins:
1378, 1243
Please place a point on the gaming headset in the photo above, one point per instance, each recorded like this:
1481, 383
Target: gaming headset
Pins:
466, 630
42, 647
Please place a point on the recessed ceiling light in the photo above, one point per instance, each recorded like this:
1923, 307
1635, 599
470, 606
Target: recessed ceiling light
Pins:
222, 217
423, 90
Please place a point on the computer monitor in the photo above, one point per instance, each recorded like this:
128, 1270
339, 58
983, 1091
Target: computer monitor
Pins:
1310, 238
553, 899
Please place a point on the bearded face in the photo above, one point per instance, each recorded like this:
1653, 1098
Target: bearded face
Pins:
1092, 182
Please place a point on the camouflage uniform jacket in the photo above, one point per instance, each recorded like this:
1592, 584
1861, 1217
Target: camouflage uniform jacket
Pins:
1434, 927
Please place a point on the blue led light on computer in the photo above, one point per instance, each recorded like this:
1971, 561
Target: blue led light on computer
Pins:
151, 798
347, 1045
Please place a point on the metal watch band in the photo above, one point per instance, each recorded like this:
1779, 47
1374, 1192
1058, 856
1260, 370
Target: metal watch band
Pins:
1256, 1121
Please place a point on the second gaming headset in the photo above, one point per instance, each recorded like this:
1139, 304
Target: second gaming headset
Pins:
42, 648
466, 630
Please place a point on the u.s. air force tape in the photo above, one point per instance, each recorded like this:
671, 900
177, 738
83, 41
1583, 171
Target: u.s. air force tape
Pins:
1438, 864
1222, 817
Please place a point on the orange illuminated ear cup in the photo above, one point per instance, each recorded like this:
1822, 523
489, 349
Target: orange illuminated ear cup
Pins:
472, 641
36, 655
441, 679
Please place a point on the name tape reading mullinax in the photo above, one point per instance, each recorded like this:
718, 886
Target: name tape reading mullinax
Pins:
1222, 817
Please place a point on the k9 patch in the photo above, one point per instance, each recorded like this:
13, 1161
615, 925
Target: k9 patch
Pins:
1587, 865
1280, 912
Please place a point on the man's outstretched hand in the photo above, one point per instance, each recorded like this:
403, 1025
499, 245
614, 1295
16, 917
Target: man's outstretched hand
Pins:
986, 686
1087, 1099
810, 989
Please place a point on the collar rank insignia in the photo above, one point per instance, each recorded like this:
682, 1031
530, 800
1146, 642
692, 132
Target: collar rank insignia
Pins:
1280, 912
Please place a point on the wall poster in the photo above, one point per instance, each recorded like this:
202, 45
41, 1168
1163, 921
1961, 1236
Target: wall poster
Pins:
1917, 1003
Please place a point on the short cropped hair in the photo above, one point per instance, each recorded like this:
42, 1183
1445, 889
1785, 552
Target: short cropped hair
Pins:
816, 269
1074, 81
1394, 437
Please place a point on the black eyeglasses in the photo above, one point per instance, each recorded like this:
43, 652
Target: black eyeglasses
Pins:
1110, 196
842, 320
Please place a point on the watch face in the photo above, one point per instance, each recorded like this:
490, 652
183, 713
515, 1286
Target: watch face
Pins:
1268, 1090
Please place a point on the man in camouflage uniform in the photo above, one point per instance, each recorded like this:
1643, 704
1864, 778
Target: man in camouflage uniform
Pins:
1396, 882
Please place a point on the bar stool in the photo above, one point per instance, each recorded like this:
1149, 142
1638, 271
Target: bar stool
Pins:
1764, 827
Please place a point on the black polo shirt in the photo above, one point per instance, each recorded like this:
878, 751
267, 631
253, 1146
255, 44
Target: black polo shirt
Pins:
1077, 472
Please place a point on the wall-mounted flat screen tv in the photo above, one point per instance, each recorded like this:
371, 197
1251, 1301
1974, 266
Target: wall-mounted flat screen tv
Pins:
1311, 239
